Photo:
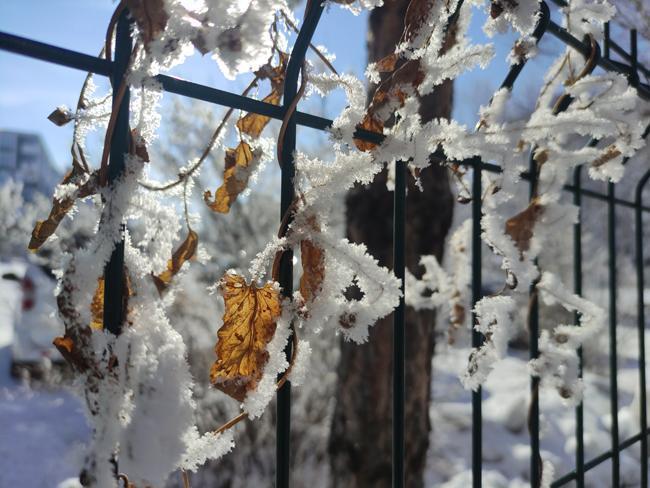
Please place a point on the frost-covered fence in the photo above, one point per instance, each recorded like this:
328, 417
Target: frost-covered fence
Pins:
556, 349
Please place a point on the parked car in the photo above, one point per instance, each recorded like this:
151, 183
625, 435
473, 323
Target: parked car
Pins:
29, 316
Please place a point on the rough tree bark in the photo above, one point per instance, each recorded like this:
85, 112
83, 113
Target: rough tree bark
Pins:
360, 439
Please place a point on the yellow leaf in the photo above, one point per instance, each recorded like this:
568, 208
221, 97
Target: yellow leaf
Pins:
249, 324
253, 124
97, 306
235, 178
185, 252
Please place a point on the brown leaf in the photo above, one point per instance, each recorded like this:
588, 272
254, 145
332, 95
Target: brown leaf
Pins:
137, 146
249, 324
371, 124
184, 253
151, 17
387, 63
239, 165
275, 74
313, 269
72, 355
390, 95
60, 116
520, 227
611, 152
45, 228
253, 124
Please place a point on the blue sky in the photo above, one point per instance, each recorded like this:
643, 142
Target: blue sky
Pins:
31, 89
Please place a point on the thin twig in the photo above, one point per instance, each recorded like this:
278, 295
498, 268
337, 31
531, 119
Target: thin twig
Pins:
206, 151
322, 57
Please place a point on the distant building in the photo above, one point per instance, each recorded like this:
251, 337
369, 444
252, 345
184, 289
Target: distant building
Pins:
25, 158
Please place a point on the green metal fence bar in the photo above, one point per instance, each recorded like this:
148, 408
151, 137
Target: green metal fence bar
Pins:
114, 275
533, 353
399, 332
477, 337
577, 289
640, 283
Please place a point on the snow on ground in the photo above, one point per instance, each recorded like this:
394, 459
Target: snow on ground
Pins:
41, 430
506, 452
42, 436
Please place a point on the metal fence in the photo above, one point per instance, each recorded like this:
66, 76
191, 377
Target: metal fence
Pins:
630, 67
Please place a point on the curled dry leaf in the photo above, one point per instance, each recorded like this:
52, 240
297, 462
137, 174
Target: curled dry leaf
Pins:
97, 306
97, 303
253, 124
185, 252
313, 269
60, 116
240, 161
71, 354
611, 152
249, 323
239, 165
520, 227
60, 207
386, 64
137, 146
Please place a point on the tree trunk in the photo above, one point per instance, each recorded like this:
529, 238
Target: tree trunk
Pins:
360, 439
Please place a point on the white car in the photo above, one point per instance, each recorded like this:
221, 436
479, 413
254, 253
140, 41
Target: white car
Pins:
28, 316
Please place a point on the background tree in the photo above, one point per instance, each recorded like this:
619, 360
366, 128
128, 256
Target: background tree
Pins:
360, 440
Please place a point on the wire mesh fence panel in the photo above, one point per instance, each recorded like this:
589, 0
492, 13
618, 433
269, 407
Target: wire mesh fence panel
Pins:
611, 200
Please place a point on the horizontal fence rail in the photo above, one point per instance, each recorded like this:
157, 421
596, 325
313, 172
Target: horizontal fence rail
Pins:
629, 66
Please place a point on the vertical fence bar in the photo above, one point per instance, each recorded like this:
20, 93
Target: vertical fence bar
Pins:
477, 337
533, 351
613, 363
638, 217
577, 288
114, 276
399, 340
640, 284
288, 170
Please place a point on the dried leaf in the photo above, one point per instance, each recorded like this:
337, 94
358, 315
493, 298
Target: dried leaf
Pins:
97, 306
238, 168
151, 17
72, 355
45, 228
249, 324
253, 124
390, 94
60, 116
313, 269
138, 147
97, 303
520, 227
387, 63
611, 152
369, 123
185, 252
